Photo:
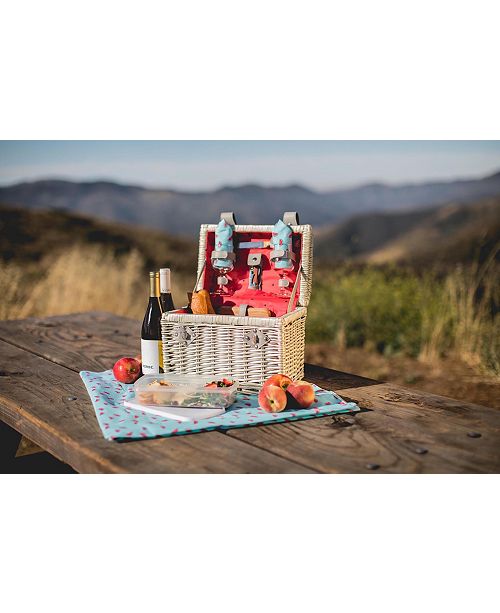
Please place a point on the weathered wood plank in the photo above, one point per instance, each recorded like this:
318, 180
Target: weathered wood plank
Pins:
35, 401
335, 379
407, 404
83, 341
401, 432
397, 423
27, 447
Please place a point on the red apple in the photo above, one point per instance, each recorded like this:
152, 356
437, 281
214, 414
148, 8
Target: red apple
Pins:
127, 370
280, 380
272, 399
300, 394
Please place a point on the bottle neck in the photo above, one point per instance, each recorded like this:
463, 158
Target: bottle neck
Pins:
152, 286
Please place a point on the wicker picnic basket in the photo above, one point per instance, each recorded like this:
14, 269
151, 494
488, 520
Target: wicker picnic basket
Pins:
247, 349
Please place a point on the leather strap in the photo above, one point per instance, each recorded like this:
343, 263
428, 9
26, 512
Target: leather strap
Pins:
294, 290
222, 255
278, 254
229, 218
199, 277
291, 218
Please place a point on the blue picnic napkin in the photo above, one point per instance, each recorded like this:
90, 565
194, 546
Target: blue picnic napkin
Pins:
120, 423
282, 239
223, 242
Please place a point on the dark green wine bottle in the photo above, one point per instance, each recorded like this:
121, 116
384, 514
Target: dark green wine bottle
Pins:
151, 345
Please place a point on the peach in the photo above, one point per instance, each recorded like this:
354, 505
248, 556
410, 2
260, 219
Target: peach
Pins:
300, 395
272, 398
280, 380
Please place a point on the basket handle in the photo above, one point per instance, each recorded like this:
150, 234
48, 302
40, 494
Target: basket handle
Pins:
294, 290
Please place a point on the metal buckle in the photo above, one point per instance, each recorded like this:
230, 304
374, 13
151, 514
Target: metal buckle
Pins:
223, 255
278, 254
256, 339
184, 335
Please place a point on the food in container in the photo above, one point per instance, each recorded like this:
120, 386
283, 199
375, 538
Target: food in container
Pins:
185, 391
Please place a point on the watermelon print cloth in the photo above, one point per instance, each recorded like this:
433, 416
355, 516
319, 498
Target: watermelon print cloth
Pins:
119, 423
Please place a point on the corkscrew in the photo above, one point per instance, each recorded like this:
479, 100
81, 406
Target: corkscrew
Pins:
254, 261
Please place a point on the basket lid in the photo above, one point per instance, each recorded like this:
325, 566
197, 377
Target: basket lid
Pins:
271, 296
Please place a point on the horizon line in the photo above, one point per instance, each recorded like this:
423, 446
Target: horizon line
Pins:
263, 185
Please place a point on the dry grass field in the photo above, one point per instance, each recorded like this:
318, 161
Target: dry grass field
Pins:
82, 278
440, 334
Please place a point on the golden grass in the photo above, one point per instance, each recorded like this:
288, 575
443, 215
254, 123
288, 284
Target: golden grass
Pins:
465, 320
393, 311
83, 278
11, 290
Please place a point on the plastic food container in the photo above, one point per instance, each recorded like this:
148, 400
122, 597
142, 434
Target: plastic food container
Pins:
183, 391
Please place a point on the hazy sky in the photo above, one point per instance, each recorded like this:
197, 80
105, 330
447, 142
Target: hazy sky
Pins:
208, 164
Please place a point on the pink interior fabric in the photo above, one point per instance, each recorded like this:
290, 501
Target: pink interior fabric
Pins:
267, 297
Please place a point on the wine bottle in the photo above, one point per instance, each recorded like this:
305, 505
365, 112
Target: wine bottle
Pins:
166, 302
151, 345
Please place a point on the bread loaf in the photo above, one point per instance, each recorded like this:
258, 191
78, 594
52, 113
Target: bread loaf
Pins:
201, 303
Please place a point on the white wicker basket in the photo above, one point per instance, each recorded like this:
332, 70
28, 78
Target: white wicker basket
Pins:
247, 349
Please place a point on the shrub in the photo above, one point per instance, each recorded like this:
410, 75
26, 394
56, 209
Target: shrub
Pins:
396, 310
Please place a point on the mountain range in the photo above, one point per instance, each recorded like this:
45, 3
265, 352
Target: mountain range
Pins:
446, 234
181, 213
29, 236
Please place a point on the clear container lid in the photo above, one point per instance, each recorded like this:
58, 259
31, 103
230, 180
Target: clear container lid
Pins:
184, 391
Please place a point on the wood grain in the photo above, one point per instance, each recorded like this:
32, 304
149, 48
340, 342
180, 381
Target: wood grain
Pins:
36, 400
83, 341
398, 430
334, 379
27, 447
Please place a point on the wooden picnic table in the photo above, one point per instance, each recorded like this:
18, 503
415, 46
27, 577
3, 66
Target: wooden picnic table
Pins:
397, 431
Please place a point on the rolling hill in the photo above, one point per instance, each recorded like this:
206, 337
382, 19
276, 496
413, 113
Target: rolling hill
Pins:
28, 236
181, 213
445, 234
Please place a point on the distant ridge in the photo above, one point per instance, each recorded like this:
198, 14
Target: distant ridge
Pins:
446, 234
29, 236
450, 233
181, 213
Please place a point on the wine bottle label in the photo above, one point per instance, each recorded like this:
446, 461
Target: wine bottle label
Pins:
152, 357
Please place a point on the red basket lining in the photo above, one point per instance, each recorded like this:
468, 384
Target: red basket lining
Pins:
267, 297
